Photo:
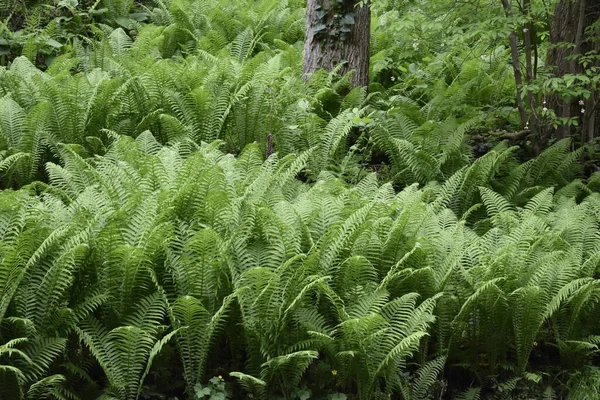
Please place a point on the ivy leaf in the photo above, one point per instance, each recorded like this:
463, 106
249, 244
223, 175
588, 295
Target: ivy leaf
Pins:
53, 43
124, 22
70, 4
348, 19
319, 27
139, 16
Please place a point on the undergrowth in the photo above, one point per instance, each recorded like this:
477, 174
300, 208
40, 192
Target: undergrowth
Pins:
152, 247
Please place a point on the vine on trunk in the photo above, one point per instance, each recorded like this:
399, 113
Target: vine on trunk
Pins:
334, 21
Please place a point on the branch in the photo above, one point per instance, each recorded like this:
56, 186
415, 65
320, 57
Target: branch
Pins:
520, 135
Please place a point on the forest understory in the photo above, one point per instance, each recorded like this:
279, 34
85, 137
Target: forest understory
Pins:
322, 199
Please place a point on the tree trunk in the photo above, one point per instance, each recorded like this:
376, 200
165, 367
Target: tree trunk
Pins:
571, 19
338, 32
514, 52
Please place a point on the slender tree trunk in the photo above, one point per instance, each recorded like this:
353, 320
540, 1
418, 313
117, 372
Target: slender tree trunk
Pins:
571, 19
326, 46
514, 52
529, 39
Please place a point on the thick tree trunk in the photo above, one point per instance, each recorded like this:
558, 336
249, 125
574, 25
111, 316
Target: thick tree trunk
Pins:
326, 47
571, 19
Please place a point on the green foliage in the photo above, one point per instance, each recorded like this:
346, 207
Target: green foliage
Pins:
148, 242
150, 247
215, 390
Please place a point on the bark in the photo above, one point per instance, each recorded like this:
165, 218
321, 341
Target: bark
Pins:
571, 18
324, 51
529, 40
514, 51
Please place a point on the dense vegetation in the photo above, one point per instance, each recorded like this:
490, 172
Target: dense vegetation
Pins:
183, 216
